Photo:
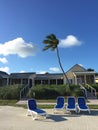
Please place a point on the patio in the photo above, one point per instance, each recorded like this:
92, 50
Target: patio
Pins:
14, 118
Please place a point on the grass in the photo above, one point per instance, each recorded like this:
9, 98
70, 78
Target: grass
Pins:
48, 100
49, 106
8, 102
93, 106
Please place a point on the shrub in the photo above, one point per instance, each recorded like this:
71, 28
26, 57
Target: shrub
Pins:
95, 86
10, 92
52, 91
75, 90
43, 92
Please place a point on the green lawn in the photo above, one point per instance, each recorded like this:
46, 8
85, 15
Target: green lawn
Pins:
13, 103
8, 102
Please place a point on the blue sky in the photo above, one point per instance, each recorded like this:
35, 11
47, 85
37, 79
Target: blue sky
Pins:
24, 24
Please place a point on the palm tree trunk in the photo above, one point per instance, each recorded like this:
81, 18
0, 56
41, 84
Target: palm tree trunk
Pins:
61, 66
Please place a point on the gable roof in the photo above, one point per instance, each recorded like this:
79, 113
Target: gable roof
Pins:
77, 68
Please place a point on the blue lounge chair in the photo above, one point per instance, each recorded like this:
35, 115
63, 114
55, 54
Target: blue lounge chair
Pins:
33, 110
59, 104
82, 105
71, 104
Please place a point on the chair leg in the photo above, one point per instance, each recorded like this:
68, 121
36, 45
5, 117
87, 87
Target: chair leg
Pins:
34, 116
89, 111
28, 113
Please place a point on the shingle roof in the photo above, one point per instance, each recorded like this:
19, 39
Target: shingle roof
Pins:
48, 76
3, 74
21, 75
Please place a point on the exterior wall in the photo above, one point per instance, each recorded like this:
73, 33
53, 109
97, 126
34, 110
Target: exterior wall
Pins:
76, 75
96, 79
49, 81
85, 79
22, 78
3, 79
3, 82
71, 75
18, 81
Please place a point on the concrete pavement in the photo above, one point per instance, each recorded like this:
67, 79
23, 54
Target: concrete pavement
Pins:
14, 118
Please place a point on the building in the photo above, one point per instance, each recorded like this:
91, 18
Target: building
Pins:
49, 79
76, 75
22, 78
96, 78
4, 78
79, 75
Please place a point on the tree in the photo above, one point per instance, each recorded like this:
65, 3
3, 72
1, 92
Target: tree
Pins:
90, 69
52, 43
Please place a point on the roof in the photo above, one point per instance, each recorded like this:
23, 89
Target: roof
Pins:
3, 74
21, 75
49, 76
77, 68
86, 72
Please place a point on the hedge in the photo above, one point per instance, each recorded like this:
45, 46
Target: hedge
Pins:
52, 91
10, 92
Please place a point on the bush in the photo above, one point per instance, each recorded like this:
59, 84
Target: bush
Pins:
10, 92
95, 86
75, 91
43, 92
52, 91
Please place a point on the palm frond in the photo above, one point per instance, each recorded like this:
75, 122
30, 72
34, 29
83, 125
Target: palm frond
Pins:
47, 42
47, 47
51, 42
51, 36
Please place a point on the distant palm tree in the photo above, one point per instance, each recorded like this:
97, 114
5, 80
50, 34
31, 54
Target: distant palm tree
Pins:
52, 43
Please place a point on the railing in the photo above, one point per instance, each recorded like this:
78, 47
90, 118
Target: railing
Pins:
23, 92
91, 89
84, 89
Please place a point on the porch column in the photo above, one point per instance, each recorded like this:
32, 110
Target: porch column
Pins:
28, 81
56, 81
48, 81
32, 81
41, 82
21, 81
94, 79
75, 79
7, 81
85, 79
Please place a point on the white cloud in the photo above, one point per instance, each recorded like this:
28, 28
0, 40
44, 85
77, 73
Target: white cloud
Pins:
5, 69
69, 41
3, 60
18, 46
50, 70
22, 71
54, 69
42, 72
81, 65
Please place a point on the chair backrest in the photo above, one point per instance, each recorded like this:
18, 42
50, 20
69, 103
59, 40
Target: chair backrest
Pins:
32, 104
81, 101
60, 101
71, 101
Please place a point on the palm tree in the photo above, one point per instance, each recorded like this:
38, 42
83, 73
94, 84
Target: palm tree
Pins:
52, 43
